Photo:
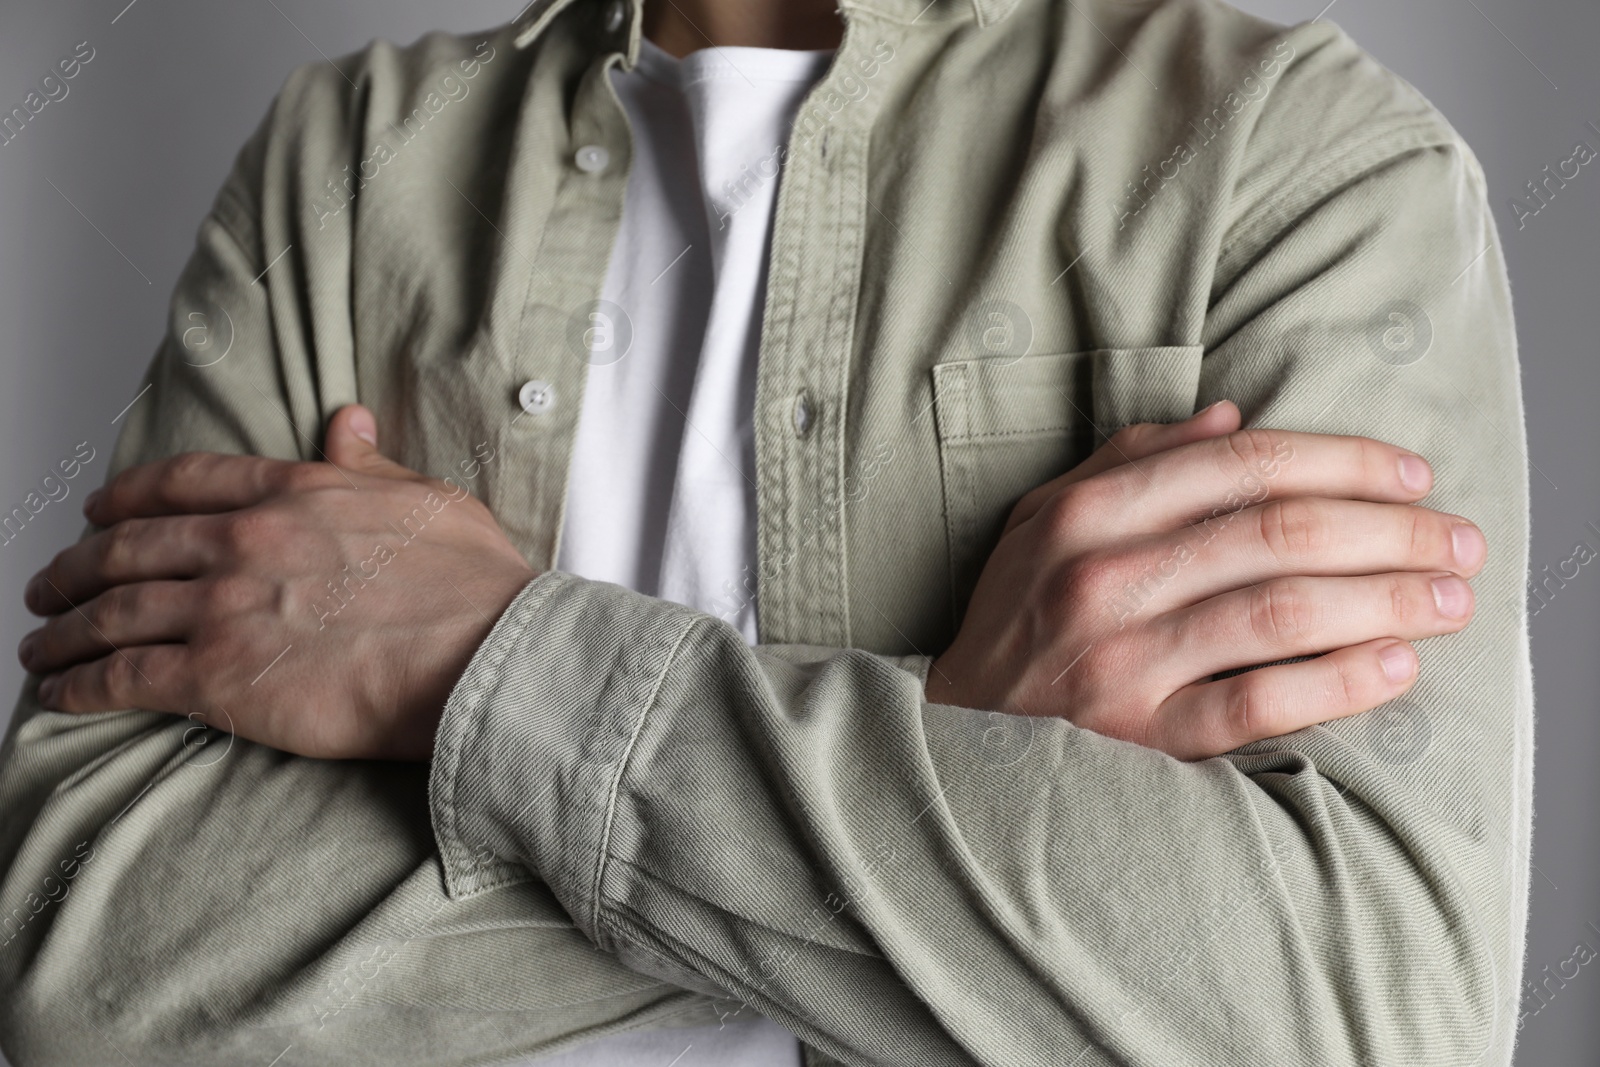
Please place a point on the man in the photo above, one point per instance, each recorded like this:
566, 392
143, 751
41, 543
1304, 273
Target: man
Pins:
969, 771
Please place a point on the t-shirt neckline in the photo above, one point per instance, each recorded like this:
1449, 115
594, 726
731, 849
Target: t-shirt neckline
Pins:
755, 65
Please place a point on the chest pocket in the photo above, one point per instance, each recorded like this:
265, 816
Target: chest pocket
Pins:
1007, 426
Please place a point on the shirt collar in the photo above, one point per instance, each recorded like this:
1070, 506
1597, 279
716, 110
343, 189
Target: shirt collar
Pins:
539, 14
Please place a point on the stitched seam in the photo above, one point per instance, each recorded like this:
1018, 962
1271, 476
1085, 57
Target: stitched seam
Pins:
802, 937
965, 14
1009, 433
622, 768
1407, 142
474, 726
452, 746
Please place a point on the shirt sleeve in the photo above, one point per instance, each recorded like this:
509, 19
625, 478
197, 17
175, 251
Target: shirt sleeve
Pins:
174, 895
905, 883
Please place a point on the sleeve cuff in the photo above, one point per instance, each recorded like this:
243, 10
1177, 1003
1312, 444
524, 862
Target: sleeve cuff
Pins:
535, 736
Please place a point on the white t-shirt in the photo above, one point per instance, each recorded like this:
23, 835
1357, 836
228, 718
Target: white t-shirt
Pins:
661, 494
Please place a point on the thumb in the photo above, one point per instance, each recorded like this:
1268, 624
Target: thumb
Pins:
352, 442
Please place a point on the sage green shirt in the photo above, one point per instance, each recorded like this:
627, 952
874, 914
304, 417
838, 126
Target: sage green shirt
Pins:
1005, 228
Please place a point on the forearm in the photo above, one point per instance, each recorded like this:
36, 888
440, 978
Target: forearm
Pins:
223, 901
803, 831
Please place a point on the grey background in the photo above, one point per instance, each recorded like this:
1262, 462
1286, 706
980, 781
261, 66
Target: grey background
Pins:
101, 196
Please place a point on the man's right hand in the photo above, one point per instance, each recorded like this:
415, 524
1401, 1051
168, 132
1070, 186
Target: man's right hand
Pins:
1178, 551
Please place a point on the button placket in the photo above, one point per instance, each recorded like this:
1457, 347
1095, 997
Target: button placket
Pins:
565, 268
807, 341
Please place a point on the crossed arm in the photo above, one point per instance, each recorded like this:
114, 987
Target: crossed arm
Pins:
208, 562
815, 832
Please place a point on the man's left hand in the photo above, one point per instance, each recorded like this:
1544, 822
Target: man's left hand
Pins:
326, 609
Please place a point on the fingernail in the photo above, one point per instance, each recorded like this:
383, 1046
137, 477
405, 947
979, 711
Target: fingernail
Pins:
1451, 596
47, 690
1415, 474
1468, 543
1398, 661
363, 426
89, 501
25, 650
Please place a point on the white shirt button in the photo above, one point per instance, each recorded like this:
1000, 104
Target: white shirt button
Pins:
802, 414
614, 15
592, 158
537, 397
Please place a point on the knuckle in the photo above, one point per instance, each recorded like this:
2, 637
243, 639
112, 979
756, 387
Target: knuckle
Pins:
1406, 603
117, 548
228, 595
1424, 538
1376, 461
244, 531
1253, 709
68, 689
1089, 579
109, 608
1059, 516
1069, 515
1281, 612
120, 677
1255, 448
181, 470
306, 477
1344, 687
1292, 529
1241, 710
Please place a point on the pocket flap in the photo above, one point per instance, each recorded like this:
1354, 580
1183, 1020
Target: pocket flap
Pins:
978, 398
997, 397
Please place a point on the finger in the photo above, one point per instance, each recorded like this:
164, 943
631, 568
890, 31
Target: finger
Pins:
1210, 718
188, 484
1131, 444
1234, 471
145, 613
135, 550
1306, 536
352, 443
1306, 616
150, 677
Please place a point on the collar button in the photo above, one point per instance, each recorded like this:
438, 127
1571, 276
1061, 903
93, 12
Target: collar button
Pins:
615, 12
592, 158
